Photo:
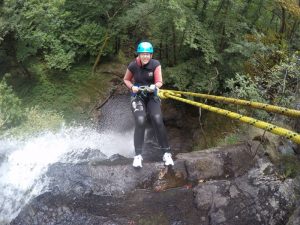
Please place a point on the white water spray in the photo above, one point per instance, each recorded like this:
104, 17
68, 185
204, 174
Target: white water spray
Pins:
23, 163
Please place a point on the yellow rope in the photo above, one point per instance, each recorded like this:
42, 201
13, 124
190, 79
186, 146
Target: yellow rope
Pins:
254, 122
257, 105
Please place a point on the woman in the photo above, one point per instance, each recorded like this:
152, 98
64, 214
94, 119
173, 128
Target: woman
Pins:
145, 71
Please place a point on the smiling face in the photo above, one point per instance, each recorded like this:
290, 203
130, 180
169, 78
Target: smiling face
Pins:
145, 57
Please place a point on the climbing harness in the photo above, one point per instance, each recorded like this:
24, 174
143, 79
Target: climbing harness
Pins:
145, 91
177, 95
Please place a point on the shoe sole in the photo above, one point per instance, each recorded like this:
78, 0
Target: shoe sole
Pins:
137, 167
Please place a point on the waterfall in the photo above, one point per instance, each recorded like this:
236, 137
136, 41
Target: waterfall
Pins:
24, 162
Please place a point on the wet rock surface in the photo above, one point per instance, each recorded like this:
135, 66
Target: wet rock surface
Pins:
181, 122
218, 186
86, 155
140, 207
295, 218
253, 198
295, 215
221, 162
297, 124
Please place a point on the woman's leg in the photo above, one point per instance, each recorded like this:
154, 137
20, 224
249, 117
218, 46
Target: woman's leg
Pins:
139, 112
154, 110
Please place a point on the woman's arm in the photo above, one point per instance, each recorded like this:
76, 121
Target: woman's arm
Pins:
128, 79
158, 77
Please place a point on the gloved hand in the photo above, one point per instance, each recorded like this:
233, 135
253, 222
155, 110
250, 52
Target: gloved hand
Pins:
154, 88
134, 89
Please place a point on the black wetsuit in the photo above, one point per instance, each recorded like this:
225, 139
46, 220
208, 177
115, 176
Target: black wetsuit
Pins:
141, 104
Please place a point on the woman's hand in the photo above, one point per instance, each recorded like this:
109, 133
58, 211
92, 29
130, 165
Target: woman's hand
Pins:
134, 89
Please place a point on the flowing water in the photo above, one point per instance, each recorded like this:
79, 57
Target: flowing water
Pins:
23, 163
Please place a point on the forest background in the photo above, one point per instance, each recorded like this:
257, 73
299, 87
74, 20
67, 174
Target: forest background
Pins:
51, 52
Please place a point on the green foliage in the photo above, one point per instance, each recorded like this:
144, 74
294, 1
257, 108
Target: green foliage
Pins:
38, 26
204, 44
58, 58
61, 32
54, 99
283, 81
218, 130
278, 85
154, 220
198, 37
243, 87
37, 120
71, 93
3, 24
289, 166
87, 38
191, 75
11, 112
230, 139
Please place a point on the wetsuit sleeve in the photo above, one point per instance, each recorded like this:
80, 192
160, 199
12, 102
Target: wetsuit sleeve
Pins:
158, 76
128, 77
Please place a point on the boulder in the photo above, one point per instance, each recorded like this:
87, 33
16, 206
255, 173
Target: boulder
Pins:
297, 124
295, 215
254, 198
221, 162
234, 185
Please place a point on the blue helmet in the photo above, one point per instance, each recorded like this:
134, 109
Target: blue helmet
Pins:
145, 47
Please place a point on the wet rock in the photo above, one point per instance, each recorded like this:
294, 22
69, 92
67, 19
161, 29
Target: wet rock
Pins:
295, 218
181, 123
254, 198
67, 209
116, 115
233, 185
295, 215
286, 147
117, 158
140, 207
3, 157
100, 179
152, 152
169, 177
297, 124
221, 162
86, 155
172, 114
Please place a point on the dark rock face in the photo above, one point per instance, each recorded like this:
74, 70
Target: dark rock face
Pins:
225, 162
220, 186
253, 198
109, 192
296, 147
297, 124
181, 123
295, 217
2, 158
86, 155
108, 180
141, 207
246, 190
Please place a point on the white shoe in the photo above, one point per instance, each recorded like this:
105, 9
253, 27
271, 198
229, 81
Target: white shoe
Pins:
167, 158
137, 161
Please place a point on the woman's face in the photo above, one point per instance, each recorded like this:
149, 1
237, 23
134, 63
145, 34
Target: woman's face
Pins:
145, 57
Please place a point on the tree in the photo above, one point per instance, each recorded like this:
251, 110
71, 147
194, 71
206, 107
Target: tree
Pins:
36, 27
11, 112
